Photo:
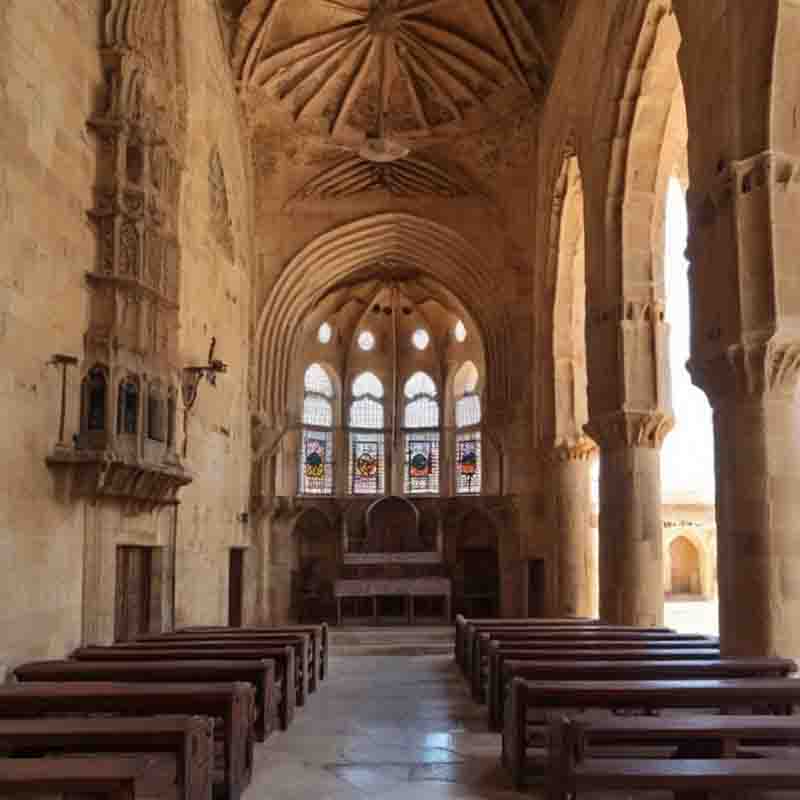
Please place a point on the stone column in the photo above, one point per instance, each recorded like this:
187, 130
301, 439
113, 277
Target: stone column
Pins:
743, 243
631, 549
757, 454
571, 466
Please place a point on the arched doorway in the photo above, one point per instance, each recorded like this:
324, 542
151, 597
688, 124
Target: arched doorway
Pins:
684, 567
476, 573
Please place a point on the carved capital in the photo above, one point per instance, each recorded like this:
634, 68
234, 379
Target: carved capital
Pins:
749, 370
581, 448
631, 429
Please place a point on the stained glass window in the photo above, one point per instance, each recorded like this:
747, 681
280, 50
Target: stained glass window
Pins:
367, 463
468, 463
421, 474
316, 466
316, 453
421, 420
468, 420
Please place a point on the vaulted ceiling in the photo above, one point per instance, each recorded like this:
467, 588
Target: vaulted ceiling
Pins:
385, 77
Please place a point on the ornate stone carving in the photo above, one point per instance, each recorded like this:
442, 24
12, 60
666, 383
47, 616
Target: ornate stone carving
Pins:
742, 370
631, 429
581, 449
413, 176
389, 69
134, 286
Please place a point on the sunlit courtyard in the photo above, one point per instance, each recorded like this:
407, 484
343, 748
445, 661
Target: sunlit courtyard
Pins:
692, 616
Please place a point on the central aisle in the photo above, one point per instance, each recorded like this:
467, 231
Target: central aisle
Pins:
399, 727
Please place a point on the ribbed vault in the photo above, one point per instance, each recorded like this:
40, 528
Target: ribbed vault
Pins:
364, 247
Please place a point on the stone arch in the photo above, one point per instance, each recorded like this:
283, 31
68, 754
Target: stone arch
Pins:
625, 204
568, 251
684, 566
393, 526
342, 253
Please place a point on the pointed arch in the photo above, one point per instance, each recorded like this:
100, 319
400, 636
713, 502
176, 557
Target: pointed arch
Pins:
416, 243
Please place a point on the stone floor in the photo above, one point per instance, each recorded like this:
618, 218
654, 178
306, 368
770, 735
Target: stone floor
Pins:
390, 727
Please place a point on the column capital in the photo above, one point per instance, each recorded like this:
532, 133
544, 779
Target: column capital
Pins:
750, 370
580, 448
631, 429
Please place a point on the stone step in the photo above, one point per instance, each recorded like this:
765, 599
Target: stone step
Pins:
399, 641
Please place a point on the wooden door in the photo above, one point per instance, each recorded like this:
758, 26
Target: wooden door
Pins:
235, 587
134, 592
536, 587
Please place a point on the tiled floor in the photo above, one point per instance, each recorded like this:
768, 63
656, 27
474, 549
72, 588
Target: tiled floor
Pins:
388, 727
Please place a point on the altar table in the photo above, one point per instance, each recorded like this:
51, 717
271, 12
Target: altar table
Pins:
408, 588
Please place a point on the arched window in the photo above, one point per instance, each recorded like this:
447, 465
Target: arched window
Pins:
468, 435
316, 458
95, 388
366, 420
155, 413
128, 407
421, 421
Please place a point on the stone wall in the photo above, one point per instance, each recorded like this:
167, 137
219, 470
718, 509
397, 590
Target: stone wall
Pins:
61, 550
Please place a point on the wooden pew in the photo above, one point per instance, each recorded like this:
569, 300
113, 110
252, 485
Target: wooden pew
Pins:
189, 740
479, 662
472, 629
499, 654
647, 669
781, 695
318, 632
282, 655
103, 778
230, 702
463, 622
474, 633
261, 674
570, 769
301, 642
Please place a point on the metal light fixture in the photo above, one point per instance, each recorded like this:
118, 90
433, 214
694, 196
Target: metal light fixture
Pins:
193, 375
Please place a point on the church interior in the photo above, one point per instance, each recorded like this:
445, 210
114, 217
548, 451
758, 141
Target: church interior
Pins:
339, 335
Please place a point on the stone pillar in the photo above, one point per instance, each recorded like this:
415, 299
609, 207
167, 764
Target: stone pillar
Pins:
744, 234
631, 530
571, 466
757, 455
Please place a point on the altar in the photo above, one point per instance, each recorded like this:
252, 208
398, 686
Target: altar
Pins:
394, 571
409, 589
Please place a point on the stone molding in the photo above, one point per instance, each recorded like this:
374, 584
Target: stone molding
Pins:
749, 370
631, 429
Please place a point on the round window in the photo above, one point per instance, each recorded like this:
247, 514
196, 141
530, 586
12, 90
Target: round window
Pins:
366, 341
421, 339
325, 333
